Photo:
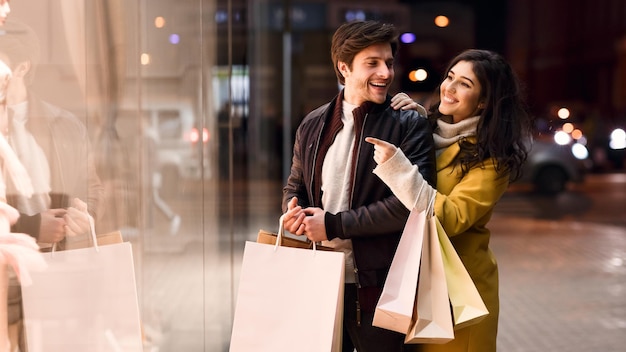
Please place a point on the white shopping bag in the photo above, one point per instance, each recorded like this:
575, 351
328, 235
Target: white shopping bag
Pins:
395, 305
86, 300
432, 317
289, 299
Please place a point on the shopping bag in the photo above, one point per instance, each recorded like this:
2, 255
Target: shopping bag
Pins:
432, 317
270, 238
85, 300
87, 241
289, 299
467, 305
395, 305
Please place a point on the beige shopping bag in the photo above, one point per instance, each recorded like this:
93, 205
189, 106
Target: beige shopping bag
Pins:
270, 238
85, 300
432, 317
289, 299
87, 241
395, 305
467, 306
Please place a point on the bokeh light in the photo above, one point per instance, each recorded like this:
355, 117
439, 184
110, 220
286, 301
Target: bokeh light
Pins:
568, 127
407, 38
577, 134
579, 151
563, 113
618, 139
442, 21
145, 59
562, 138
418, 75
159, 22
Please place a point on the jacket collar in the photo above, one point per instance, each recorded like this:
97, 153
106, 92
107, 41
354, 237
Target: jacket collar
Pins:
365, 108
449, 154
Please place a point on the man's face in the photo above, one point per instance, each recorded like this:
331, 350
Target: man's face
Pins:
4, 11
370, 76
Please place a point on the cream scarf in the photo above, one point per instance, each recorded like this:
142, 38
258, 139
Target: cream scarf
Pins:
336, 183
448, 133
34, 160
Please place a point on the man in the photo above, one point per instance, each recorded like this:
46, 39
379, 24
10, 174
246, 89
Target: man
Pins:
332, 195
53, 146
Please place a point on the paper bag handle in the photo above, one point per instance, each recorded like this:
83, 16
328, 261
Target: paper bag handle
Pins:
281, 232
92, 231
430, 210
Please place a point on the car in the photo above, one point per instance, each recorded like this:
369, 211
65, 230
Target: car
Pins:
550, 166
181, 144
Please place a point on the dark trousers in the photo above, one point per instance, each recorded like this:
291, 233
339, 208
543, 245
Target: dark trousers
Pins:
362, 335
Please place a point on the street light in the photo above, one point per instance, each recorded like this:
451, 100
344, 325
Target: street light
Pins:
563, 113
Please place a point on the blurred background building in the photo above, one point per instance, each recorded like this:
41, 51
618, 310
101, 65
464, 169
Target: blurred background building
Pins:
192, 106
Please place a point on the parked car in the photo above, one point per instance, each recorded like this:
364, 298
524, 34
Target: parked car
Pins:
551, 166
181, 146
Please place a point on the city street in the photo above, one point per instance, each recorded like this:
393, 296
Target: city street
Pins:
562, 266
562, 285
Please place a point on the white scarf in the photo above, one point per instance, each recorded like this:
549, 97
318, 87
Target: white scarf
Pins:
34, 160
336, 183
448, 133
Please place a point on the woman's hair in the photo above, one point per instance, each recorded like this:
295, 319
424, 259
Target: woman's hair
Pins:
504, 127
352, 37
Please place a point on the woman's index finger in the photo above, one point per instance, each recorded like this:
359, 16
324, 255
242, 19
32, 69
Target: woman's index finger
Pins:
373, 140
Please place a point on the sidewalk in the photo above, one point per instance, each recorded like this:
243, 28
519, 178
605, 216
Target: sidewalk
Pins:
562, 285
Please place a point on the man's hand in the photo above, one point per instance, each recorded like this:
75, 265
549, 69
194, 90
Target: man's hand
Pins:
52, 227
314, 225
292, 219
77, 218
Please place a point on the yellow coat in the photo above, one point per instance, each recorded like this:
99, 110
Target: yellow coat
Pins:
464, 207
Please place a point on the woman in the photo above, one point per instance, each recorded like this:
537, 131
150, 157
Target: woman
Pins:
17, 250
480, 124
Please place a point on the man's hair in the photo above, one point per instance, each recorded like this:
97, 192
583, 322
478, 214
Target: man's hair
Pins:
20, 44
352, 37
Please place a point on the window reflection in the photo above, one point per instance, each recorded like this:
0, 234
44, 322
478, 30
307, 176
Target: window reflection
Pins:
189, 160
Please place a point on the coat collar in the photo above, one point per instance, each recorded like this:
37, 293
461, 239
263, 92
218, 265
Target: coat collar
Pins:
449, 154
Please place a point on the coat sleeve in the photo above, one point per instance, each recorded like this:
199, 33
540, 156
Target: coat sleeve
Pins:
295, 186
406, 182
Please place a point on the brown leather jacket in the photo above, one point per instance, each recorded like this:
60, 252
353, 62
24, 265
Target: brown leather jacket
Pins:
376, 218
64, 140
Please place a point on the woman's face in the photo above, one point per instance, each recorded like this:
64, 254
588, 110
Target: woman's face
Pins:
4, 11
460, 92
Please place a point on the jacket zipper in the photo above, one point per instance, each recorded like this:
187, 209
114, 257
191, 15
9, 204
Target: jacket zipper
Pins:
356, 270
317, 147
358, 304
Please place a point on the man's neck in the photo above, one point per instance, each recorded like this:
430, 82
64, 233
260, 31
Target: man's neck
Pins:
353, 99
17, 95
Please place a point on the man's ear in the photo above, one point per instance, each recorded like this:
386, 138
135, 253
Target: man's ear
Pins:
22, 69
343, 68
